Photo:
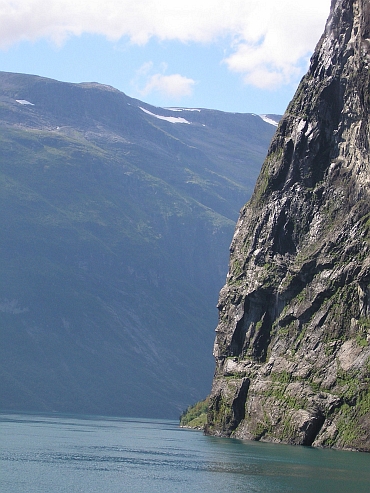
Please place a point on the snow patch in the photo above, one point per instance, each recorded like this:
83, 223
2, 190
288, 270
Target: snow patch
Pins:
269, 120
171, 119
24, 101
183, 109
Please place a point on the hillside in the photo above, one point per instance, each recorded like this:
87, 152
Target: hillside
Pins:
117, 219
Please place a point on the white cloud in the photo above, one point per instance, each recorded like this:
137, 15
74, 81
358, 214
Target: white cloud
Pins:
270, 51
269, 37
174, 86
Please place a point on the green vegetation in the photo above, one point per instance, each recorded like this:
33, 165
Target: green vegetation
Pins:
220, 413
364, 403
361, 340
278, 391
265, 178
114, 224
259, 325
195, 416
282, 377
262, 183
364, 323
356, 406
236, 270
347, 426
262, 427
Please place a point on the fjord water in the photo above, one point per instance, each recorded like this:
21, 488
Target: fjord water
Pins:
57, 454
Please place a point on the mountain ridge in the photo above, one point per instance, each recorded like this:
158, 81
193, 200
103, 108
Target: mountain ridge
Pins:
115, 232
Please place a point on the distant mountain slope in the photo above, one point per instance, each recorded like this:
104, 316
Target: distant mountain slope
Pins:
117, 218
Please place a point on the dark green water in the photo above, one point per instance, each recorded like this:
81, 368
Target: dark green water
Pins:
101, 455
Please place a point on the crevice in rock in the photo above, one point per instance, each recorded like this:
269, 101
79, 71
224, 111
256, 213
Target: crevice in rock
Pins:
313, 428
238, 405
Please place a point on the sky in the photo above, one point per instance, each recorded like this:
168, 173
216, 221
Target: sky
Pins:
244, 56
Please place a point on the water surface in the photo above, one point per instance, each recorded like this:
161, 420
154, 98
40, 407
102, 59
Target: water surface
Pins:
54, 454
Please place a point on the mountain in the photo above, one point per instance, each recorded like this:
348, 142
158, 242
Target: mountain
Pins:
293, 340
117, 219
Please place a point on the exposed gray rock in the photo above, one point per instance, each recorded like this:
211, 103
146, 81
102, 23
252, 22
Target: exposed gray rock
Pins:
294, 315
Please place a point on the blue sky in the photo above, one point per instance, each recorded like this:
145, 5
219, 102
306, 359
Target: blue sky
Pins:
239, 56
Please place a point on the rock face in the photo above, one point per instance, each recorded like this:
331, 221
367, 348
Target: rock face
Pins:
292, 345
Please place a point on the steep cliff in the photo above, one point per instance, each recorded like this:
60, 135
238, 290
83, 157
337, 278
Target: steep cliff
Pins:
292, 345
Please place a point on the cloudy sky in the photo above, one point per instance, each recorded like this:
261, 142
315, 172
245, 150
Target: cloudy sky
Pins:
232, 55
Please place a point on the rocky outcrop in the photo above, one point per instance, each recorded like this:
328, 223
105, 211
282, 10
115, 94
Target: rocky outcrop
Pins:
292, 345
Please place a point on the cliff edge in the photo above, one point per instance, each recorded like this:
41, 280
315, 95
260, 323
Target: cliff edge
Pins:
292, 344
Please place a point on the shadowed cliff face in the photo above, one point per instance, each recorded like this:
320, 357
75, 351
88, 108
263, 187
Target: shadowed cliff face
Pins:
293, 341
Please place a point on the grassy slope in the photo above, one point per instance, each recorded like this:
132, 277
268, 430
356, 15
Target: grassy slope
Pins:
114, 247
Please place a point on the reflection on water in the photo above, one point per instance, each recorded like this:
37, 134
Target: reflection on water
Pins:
103, 455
